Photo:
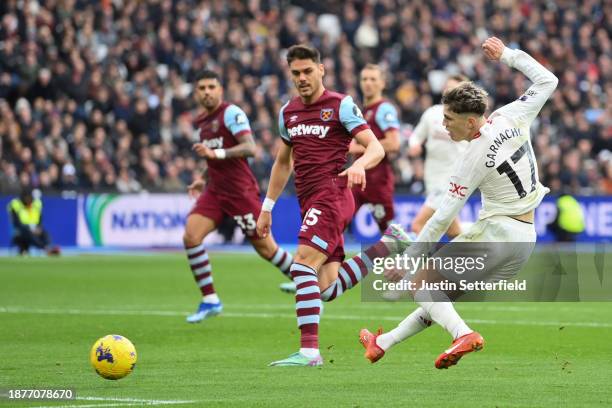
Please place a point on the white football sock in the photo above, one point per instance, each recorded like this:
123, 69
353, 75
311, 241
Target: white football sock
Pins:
446, 316
309, 352
416, 322
211, 298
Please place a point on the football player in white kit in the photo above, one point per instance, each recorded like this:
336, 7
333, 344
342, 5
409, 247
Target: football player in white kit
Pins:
499, 160
441, 150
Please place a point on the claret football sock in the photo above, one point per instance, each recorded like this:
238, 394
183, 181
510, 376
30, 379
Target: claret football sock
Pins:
282, 260
307, 305
200, 266
350, 273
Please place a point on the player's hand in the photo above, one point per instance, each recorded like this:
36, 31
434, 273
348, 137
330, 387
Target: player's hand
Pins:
195, 188
415, 151
355, 175
204, 151
264, 223
493, 48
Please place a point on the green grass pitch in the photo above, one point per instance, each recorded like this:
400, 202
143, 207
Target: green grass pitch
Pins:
52, 310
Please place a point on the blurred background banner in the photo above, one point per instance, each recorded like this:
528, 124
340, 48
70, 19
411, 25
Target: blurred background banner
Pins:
132, 220
157, 220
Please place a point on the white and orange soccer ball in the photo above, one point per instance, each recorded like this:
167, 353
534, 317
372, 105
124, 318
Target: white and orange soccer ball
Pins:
113, 356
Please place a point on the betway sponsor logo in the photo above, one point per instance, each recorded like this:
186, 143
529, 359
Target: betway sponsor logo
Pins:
216, 143
308, 130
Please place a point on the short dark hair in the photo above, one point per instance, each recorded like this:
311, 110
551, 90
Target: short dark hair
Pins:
302, 51
466, 98
206, 74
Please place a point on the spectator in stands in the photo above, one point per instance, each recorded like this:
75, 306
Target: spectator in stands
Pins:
114, 77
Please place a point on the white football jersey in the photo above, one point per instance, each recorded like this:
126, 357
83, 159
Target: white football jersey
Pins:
442, 152
500, 162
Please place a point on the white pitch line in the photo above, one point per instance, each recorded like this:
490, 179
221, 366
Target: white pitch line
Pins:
116, 399
118, 402
106, 312
395, 306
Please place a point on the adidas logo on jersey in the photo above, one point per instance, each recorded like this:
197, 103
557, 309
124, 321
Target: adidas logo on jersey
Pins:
216, 143
308, 130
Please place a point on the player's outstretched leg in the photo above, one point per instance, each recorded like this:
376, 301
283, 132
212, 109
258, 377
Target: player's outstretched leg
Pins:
196, 229
394, 241
268, 249
377, 345
465, 340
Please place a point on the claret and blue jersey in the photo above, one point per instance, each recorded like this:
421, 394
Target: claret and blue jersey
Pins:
222, 129
319, 134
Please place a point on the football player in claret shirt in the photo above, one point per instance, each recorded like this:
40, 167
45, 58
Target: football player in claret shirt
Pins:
226, 141
317, 127
381, 117
499, 161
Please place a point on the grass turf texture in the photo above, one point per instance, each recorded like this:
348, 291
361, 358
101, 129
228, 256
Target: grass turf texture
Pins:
52, 310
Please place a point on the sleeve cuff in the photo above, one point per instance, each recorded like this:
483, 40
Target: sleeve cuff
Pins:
285, 141
507, 56
359, 129
242, 133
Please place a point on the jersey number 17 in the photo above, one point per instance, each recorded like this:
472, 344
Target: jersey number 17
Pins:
505, 167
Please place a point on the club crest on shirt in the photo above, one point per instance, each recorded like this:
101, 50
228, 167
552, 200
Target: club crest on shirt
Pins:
327, 114
215, 125
368, 115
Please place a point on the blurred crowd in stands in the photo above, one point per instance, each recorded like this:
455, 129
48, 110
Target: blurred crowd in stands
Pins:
96, 95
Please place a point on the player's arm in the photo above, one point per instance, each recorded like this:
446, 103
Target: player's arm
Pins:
466, 178
529, 104
353, 121
245, 147
281, 171
236, 121
419, 135
372, 155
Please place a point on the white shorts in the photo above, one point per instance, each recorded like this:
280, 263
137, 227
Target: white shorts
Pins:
434, 198
505, 243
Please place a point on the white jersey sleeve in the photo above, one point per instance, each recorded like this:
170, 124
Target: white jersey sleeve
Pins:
422, 129
525, 109
465, 179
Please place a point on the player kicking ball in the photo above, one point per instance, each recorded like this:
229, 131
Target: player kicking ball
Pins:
225, 142
499, 160
317, 127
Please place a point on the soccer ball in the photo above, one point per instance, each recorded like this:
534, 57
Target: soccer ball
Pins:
113, 357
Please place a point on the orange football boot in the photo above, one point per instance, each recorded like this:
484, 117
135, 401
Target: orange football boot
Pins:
368, 340
465, 344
